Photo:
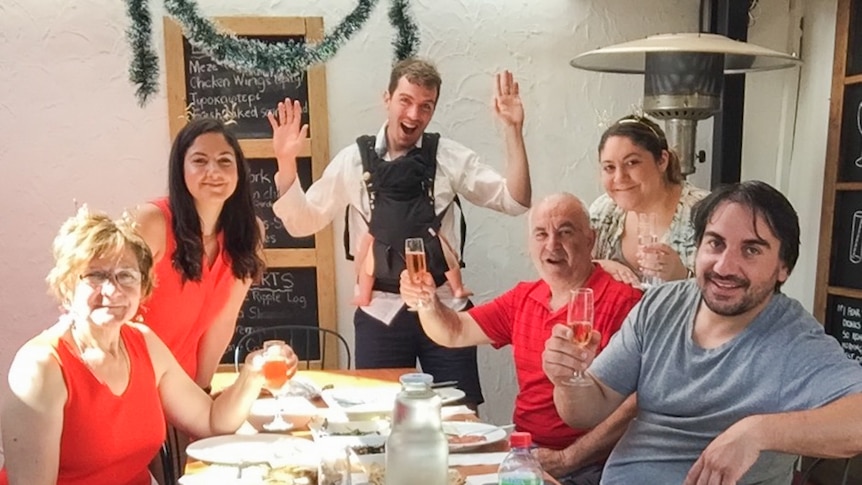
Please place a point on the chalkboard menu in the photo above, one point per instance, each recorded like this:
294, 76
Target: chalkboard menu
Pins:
220, 92
844, 322
265, 194
854, 39
285, 296
846, 267
850, 169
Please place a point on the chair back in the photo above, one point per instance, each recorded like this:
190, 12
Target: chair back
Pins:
316, 348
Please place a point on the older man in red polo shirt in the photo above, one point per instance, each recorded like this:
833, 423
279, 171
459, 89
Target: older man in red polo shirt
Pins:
561, 242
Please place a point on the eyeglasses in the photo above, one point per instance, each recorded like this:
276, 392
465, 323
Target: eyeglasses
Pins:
127, 278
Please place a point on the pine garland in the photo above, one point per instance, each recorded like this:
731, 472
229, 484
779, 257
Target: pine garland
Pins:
283, 61
144, 70
406, 43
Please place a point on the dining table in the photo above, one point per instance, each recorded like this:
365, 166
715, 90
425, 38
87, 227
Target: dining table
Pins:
361, 378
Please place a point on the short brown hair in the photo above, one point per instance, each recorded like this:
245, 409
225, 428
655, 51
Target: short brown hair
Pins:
87, 236
417, 71
648, 135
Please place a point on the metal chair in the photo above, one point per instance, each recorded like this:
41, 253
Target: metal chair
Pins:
309, 342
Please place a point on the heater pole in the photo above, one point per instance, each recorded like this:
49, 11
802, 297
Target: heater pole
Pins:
729, 18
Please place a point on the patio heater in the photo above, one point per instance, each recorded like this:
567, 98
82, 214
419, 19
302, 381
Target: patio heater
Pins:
684, 77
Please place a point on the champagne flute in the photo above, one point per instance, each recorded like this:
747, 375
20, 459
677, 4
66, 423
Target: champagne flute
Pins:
414, 252
647, 235
580, 320
277, 373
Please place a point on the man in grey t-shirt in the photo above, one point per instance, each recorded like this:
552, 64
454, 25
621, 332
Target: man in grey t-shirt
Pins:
732, 377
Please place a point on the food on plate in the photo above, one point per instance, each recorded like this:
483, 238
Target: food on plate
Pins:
465, 439
377, 473
290, 475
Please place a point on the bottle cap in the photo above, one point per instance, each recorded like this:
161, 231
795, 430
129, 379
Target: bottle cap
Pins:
520, 439
416, 380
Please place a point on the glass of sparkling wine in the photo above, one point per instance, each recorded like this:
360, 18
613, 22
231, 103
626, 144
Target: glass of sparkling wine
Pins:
647, 235
580, 320
414, 252
277, 372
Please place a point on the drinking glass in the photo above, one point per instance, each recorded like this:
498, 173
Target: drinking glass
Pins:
647, 234
580, 320
277, 372
414, 253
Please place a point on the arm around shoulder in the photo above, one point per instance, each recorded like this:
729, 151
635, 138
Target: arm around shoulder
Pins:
32, 416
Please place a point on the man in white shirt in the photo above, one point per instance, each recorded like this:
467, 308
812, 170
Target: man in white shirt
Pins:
387, 335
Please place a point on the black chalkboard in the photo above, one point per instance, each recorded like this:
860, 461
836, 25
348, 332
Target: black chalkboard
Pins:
846, 267
214, 90
264, 193
854, 39
850, 163
844, 322
285, 296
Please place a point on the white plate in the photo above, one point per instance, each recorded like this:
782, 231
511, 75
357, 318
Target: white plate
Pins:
491, 433
360, 403
321, 428
276, 450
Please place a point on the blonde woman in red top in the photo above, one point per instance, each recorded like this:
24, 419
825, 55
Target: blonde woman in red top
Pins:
88, 397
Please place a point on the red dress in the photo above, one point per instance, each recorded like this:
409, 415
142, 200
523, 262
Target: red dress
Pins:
180, 314
108, 439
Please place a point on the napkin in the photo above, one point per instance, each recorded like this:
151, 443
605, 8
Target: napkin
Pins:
449, 411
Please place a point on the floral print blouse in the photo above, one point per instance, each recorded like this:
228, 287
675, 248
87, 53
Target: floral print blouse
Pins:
608, 220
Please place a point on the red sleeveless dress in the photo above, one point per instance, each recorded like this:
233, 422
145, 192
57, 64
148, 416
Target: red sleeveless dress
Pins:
108, 439
180, 314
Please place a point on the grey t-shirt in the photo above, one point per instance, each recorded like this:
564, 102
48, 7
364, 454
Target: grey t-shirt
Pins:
687, 395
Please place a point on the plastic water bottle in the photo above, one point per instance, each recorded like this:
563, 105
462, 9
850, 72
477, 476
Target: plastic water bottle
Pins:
519, 467
417, 450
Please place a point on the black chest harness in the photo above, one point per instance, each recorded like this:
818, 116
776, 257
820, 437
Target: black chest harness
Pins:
401, 197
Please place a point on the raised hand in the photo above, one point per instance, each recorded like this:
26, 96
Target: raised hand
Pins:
507, 100
663, 262
562, 357
288, 139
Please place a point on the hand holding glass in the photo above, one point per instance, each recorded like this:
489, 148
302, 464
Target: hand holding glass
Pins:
580, 320
647, 235
414, 254
277, 370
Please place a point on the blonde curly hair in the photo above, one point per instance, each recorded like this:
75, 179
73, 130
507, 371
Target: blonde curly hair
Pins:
90, 235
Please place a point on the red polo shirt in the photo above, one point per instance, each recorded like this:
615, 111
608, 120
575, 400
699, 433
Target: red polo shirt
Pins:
521, 318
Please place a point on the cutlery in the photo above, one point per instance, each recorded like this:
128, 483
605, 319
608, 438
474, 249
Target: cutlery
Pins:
439, 385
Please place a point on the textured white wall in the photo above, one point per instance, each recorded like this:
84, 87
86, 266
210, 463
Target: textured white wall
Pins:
71, 129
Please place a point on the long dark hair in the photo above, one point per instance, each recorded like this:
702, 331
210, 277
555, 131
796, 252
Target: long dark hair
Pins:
237, 220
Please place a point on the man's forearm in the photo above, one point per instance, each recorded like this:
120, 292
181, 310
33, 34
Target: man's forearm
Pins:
517, 167
832, 431
440, 323
596, 445
585, 406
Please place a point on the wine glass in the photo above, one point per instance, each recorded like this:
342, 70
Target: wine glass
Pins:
414, 253
647, 234
277, 372
580, 320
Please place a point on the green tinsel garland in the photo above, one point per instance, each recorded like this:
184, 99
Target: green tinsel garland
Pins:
283, 60
144, 69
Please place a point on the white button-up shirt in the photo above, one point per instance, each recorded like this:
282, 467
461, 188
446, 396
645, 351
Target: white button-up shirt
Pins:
459, 172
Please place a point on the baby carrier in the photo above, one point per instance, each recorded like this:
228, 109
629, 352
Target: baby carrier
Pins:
401, 194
